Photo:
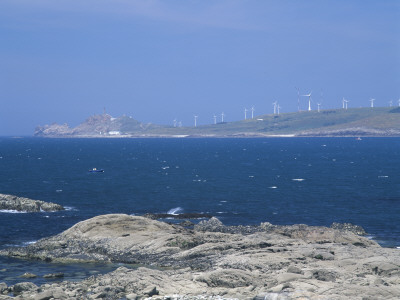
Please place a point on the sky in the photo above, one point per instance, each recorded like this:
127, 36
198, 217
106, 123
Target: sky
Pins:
63, 61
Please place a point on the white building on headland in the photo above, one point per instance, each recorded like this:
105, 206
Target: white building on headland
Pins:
114, 133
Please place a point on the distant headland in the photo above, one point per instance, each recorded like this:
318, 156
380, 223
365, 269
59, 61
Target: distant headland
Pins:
354, 122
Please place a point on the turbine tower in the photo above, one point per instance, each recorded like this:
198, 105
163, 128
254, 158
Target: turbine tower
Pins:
346, 101
319, 104
175, 122
372, 102
309, 100
343, 101
215, 119
252, 112
222, 117
275, 104
279, 107
398, 101
245, 113
195, 121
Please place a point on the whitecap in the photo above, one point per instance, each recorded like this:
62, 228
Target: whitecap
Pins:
251, 176
383, 176
29, 243
273, 187
58, 191
298, 179
175, 210
221, 212
70, 208
323, 145
223, 201
12, 211
164, 168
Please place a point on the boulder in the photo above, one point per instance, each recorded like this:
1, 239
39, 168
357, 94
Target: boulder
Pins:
21, 287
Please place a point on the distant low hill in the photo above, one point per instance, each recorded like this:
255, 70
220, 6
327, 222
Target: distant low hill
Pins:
380, 121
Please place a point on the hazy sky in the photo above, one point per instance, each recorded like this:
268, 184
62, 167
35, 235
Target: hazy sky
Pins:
62, 61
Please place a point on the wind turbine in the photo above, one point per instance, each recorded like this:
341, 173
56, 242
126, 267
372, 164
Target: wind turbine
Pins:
252, 112
390, 103
343, 101
372, 102
175, 122
275, 104
319, 104
222, 117
279, 107
215, 119
398, 101
346, 101
245, 113
195, 121
309, 100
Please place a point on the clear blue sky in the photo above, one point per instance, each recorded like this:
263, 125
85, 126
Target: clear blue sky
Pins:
62, 61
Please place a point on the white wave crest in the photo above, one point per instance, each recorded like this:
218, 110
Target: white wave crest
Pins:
12, 211
298, 179
70, 208
29, 243
175, 210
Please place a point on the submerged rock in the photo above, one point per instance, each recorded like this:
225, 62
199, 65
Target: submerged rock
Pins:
10, 202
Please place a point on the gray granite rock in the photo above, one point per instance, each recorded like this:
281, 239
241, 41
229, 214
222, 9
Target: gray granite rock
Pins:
215, 261
10, 202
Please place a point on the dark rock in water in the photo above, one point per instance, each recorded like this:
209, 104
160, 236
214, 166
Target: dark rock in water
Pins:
10, 202
28, 275
349, 227
177, 216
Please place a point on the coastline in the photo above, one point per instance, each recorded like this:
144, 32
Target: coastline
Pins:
215, 261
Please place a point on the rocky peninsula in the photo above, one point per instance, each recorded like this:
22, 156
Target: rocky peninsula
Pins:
213, 261
21, 204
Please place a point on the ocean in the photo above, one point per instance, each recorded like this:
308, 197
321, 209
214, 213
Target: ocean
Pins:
313, 181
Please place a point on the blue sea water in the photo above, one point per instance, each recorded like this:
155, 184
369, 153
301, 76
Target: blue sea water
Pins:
315, 181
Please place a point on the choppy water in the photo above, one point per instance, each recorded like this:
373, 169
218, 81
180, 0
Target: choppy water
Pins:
315, 181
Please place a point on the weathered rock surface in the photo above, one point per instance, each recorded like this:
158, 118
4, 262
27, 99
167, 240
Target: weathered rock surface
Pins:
216, 261
10, 202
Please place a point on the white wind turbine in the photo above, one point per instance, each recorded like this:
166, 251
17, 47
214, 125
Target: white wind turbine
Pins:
346, 101
245, 113
319, 104
222, 117
309, 100
398, 101
372, 102
390, 103
252, 112
275, 104
175, 122
195, 120
215, 119
279, 107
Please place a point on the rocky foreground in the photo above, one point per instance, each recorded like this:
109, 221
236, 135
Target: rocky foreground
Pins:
11, 202
213, 261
